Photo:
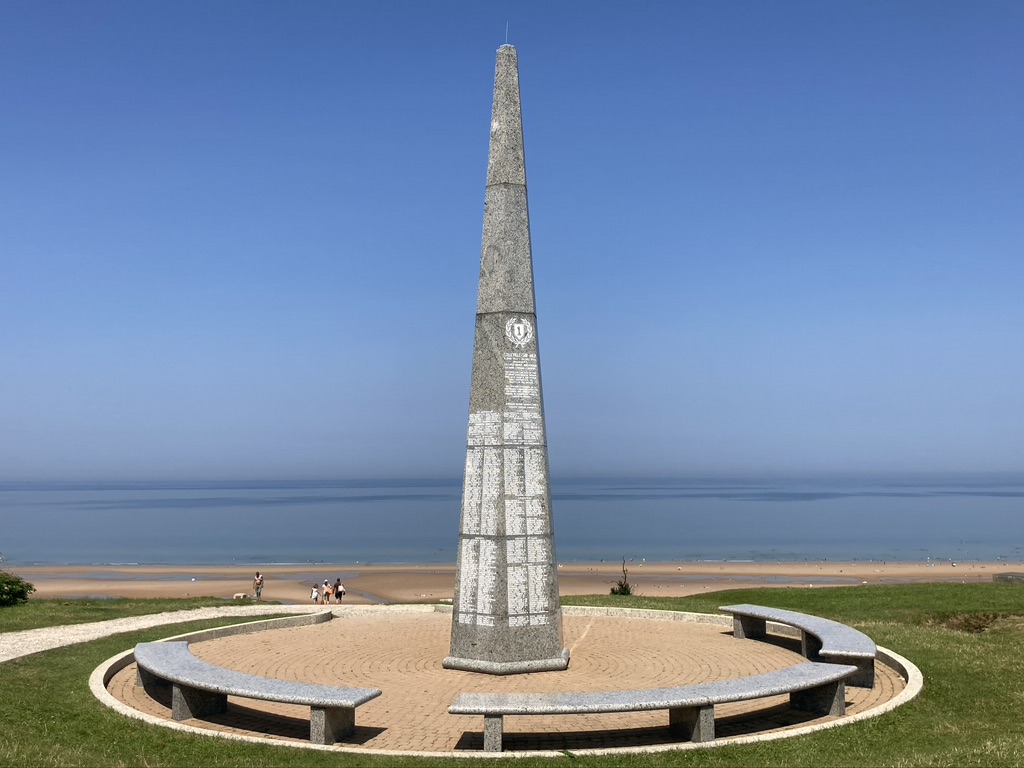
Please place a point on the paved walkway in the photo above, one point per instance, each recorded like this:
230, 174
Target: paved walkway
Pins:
15, 644
400, 652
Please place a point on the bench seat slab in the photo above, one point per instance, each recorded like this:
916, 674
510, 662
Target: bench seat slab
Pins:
813, 687
820, 639
199, 688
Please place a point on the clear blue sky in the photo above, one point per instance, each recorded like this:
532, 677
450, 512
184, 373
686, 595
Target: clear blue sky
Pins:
241, 239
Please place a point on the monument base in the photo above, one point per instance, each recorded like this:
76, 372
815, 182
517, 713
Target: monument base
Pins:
556, 664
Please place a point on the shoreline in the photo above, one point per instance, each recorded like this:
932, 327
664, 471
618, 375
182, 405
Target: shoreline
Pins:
367, 583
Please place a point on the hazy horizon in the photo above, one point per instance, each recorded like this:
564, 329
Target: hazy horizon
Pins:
731, 477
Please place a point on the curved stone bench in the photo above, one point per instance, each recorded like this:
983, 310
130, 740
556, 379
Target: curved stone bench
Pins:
812, 686
200, 688
820, 638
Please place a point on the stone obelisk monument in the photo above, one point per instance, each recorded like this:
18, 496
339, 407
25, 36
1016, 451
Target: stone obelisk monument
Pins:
506, 614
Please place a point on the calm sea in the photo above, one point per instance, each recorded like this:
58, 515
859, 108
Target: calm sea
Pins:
406, 521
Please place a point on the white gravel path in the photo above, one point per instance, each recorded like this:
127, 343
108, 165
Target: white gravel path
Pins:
16, 644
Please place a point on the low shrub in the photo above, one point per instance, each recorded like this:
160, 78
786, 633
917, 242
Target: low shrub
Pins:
14, 589
622, 586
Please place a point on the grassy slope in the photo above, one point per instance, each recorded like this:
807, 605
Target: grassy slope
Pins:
969, 713
912, 604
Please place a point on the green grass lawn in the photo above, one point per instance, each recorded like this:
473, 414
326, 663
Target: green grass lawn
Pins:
51, 613
968, 641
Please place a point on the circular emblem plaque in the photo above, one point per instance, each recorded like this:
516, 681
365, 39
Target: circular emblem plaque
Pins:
519, 331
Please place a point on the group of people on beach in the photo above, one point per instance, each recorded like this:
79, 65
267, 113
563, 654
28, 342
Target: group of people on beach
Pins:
319, 595
322, 595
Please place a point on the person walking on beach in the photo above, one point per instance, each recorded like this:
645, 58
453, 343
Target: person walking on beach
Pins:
257, 586
314, 595
326, 599
339, 590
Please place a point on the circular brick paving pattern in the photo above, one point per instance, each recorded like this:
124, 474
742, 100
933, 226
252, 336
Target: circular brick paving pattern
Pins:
401, 653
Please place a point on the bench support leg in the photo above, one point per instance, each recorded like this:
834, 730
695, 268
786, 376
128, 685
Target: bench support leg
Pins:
330, 724
192, 702
493, 725
155, 687
809, 646
749, 627
693, 723
864, 677
827, 699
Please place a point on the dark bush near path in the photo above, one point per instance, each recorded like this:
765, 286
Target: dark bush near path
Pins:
13, 589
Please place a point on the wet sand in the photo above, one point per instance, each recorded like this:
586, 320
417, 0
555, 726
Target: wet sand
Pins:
377, 583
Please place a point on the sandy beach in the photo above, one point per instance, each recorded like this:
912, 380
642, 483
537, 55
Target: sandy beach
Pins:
378, 583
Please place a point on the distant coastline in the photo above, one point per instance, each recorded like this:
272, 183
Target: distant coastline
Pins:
432, 582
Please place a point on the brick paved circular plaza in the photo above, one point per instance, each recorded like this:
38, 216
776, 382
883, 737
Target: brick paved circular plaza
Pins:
400, 652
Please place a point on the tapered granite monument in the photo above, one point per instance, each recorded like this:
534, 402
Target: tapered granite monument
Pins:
506, 616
